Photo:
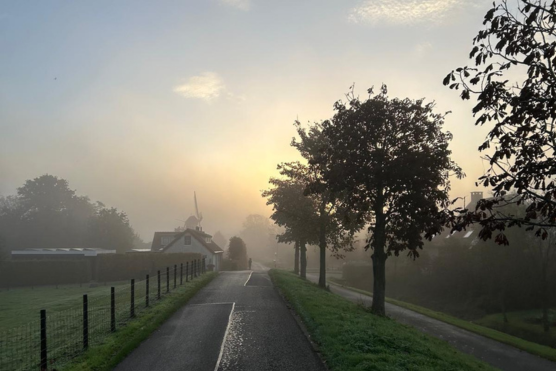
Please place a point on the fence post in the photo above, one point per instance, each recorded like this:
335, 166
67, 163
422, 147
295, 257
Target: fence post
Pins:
175, 274
186, 271
132, 303
147, 292
167, 279
44, 361
204, 265
158, 285
85, 322
181, 273
112, 309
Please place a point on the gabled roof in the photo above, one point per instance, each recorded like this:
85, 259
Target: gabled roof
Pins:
157, 239
198, 235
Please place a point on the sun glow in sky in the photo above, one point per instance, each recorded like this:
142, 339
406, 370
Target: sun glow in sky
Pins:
139, 103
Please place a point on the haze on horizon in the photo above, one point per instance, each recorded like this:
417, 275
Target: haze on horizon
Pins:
138, 104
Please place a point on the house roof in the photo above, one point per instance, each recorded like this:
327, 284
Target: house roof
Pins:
199, 236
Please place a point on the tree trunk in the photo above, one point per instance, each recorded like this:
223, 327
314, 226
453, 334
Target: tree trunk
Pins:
303, 260
379, 264
296, 259
379, 285
545, 299
322, 247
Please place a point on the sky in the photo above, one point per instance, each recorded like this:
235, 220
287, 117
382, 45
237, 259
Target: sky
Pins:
140, 103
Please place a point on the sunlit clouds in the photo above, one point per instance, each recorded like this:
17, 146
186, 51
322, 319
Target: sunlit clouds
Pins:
239, 4
206, 86
408, 12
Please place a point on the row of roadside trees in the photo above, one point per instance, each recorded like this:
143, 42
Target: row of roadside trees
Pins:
384, 164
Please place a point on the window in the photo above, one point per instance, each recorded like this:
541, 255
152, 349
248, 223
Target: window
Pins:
208, 239
187, 240
165, 240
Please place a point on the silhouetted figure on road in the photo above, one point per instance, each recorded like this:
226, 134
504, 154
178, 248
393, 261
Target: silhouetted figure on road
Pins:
250, 262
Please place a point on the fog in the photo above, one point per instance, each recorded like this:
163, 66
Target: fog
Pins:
139, 104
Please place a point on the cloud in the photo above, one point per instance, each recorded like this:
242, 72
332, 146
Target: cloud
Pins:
206, 86
239, 4
408, 12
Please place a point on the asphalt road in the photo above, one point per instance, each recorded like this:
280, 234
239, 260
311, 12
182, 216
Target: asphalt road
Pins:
237, 322
499, 355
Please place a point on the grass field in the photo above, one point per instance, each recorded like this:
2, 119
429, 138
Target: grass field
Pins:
20, 325
523, 324
528, 346
349, 337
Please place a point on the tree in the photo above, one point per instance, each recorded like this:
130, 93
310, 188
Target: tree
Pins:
390, 158
294, 211
335, 229
517, 43
110, 229
237, 252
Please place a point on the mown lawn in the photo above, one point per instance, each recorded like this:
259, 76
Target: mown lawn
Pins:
21, 305
349, 337
20, 340
486, 327
524, 324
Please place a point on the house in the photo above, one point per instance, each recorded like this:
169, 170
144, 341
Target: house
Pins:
190, 240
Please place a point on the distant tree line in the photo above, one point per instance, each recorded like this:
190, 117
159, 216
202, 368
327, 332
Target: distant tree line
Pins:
46, 213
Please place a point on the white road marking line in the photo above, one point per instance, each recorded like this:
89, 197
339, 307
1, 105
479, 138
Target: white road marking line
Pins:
248, 279
212, 303
224, 338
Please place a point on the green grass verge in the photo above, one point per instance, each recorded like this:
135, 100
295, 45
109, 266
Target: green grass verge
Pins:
530, 347
523, 324
116, 347
349, 337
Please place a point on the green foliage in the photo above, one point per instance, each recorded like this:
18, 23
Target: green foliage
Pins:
46, 213
351, 338
513, 79
237, 253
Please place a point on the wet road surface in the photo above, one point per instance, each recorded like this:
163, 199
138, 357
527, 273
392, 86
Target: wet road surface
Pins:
499, 355
237, 322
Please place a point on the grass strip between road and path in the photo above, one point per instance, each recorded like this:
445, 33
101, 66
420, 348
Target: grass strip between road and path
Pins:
117, 346
349, 337
530, 347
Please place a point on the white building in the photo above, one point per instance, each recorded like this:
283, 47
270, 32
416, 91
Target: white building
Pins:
190, 240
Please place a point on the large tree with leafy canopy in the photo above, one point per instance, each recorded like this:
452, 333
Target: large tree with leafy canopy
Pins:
391, 160
335, 227
294, 211
513, 78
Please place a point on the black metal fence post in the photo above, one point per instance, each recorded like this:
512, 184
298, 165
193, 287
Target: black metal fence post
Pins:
181, 273
158, 285
175, 274
85, 322
186, 271
132, 302
112, 309
44, 361
147, 292
167, 279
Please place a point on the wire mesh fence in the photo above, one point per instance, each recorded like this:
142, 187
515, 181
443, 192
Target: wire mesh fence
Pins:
53, 339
